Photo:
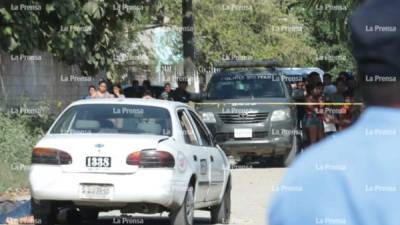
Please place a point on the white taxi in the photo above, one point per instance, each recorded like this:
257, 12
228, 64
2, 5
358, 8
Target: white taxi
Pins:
132, 155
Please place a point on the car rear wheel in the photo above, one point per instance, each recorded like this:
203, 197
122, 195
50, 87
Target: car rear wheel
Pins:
69, 215
43, 212
221, 213
73, 217
89, 214
185, 213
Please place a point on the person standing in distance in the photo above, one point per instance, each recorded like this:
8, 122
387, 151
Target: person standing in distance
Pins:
91, 92
117, 91
132, 91
102, 92
167, 93
181, 94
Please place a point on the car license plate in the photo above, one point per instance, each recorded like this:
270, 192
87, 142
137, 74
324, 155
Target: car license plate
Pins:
95, 161
243, 133
96, 191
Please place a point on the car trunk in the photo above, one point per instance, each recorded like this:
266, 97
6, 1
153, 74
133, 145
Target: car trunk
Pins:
113, 148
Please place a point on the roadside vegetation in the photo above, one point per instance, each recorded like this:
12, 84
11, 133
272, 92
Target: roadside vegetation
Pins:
19, 132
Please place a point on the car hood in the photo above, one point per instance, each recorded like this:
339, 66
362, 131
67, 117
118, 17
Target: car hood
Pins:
239, 105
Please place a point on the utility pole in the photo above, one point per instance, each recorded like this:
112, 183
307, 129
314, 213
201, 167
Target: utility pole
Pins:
188, 37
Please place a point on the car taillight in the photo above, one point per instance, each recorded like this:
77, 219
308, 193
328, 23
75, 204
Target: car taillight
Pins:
151, 159
50, 156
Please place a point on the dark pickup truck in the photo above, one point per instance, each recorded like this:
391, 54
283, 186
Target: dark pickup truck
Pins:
247, 106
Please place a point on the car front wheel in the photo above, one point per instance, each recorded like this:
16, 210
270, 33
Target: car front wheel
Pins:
221, 213
185, 213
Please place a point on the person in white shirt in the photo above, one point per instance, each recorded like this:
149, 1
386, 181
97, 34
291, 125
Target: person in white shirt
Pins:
102, 92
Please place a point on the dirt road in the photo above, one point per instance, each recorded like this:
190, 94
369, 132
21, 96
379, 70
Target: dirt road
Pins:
252, 189
251, 192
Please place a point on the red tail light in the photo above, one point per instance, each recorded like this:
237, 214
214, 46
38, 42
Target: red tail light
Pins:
50, 156
151, 159
133, 159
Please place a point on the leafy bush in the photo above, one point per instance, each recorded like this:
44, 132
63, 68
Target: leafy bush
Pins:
19, 132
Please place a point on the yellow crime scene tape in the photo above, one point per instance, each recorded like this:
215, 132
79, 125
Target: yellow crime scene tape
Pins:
288, 103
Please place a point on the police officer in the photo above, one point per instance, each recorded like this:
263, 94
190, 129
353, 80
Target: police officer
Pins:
181, 94
353, 178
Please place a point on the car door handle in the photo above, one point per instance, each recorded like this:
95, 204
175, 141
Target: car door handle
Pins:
195, 157
212, 158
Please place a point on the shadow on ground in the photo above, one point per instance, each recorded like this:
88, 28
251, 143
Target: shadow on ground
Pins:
150, 220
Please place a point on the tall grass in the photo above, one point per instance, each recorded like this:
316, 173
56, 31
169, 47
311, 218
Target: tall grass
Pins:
19, 132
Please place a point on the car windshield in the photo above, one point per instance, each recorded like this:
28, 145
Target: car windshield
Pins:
245, 86
114, 119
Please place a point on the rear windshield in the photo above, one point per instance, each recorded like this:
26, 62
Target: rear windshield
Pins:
245, 86
114, 119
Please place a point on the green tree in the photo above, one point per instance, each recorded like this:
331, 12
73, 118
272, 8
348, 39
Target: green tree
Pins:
244, 29
254, 29
89, 33
328, 24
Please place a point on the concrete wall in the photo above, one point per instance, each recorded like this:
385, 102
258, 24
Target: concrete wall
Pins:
40, 77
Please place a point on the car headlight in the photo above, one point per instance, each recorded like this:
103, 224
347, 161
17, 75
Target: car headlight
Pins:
208, 117
280, 115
